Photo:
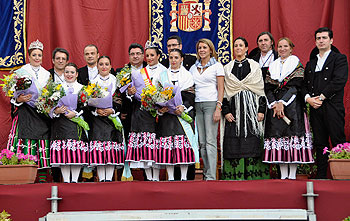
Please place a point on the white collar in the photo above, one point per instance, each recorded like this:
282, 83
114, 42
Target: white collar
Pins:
153, 67
325, 55
92, 69
266, 60
104, 78
75, 85
321, 61
280, 70
136, 68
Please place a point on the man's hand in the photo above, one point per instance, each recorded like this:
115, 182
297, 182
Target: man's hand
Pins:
315, 102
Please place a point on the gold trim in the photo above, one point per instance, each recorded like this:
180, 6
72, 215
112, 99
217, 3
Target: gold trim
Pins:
225, 26
157, 26
231, 32
25, 30
17, 57
224, 17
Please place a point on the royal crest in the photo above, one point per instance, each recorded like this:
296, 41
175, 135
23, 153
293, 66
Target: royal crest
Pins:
190, 15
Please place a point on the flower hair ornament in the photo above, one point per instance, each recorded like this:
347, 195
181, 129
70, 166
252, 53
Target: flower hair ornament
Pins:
149, 44
36, 45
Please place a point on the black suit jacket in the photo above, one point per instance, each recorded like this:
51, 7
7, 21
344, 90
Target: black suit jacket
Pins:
52, 73
189, 60
330, 81
83, 75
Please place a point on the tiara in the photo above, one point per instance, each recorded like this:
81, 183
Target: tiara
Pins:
36, 45
149, 44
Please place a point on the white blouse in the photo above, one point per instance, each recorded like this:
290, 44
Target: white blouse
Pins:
206, 83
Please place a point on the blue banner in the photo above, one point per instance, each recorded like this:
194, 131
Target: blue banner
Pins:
193, 20
12, 32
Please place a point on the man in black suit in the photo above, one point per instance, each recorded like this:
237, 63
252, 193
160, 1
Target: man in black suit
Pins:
324, 80
136, 62
60, 57
89, 72
265, 53
176, 42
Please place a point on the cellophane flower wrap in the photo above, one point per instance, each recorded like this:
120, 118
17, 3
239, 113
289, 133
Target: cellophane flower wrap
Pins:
70, 101
49, 97
17, 83
124, 79
8, 157
171, 97
341, 151
102, 98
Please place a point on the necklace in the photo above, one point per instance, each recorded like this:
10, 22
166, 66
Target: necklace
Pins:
240, 62
36, 70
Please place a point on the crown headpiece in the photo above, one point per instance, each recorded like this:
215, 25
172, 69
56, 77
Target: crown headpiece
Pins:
36, 45
149, 44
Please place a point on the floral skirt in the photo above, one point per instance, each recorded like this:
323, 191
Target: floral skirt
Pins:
106, 153
35, 147
250, 168
69, 152
288, 149
174, 150
142, 149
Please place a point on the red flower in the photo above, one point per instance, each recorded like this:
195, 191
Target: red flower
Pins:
83, 98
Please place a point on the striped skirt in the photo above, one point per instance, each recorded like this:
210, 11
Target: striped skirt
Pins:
69, 152
142, 147
288, 149
174, 150
106, 153
35, 147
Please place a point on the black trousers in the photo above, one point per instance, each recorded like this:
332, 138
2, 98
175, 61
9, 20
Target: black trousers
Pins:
327, 122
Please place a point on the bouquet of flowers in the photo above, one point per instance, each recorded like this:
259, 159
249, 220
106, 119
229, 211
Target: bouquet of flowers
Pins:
341, 151
164, 96
49, 97
149, 98
170, 96
124, 78
89, 92
8, 157
70, 101
98, 97
15, 83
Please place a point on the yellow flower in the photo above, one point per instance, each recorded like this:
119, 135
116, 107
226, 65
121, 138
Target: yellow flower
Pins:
10, 93
89, 90
58, 87
45, 92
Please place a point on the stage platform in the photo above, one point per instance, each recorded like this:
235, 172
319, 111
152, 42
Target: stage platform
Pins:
29, 201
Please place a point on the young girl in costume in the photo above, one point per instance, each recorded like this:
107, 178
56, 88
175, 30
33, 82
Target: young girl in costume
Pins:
69, 146
106, 141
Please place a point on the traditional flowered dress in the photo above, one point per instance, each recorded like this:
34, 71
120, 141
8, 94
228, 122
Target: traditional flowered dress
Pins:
69, 143
106, 142
177, 142
244, 98
286, 140
142, 146
30, 131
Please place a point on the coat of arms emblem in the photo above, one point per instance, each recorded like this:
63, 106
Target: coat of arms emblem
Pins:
190, 15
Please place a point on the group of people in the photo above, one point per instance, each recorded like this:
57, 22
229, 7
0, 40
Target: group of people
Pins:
259, 99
